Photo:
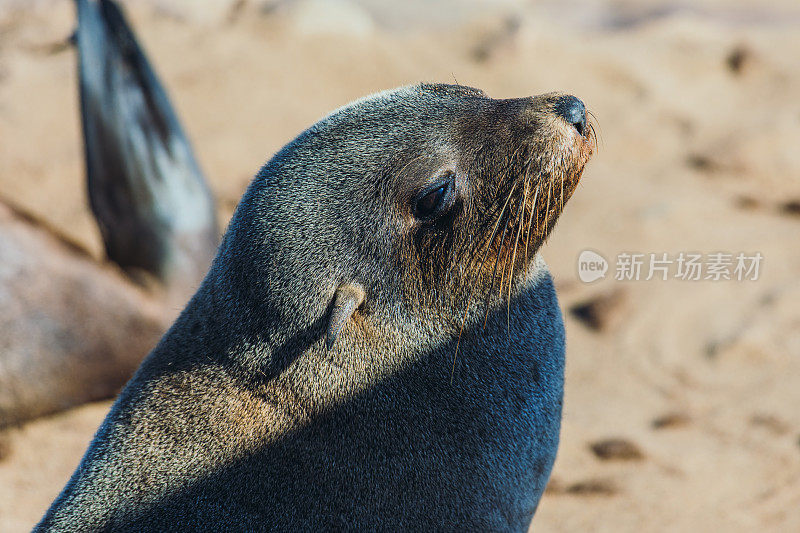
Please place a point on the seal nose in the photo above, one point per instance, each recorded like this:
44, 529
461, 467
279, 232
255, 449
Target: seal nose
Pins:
573, 111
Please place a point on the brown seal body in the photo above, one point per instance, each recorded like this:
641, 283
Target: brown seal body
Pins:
377, 346
71, 330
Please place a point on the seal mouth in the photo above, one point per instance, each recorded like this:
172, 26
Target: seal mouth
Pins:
545, 177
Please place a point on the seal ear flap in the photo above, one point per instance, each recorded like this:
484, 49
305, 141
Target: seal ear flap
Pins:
348, 298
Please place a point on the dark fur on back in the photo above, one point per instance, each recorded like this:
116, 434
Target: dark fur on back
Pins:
439, 405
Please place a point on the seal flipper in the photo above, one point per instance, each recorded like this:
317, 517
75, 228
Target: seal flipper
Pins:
348, 298
151, 201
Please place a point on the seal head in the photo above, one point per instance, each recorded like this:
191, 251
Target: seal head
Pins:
378, 344
424, 197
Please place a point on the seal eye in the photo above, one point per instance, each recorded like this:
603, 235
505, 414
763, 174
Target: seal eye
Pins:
431, 202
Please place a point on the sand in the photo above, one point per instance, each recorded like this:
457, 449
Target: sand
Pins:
681, 399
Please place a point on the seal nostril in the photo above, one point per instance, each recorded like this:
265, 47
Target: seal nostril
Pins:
573, 111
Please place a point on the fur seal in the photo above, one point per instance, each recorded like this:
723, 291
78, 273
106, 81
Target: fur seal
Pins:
75, 331
71, 330
378, 344
155, 211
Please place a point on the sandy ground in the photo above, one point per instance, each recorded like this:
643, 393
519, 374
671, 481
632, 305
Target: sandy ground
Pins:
698, 109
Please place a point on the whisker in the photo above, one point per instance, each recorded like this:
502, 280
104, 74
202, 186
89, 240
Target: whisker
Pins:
520, 218
481, 242
458, 342
496, 226
547, 205
483, 260
594, 136
494, 272
591, 126
533, 212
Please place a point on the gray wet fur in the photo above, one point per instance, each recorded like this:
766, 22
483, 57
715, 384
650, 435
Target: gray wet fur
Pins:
242, 419
155, 211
